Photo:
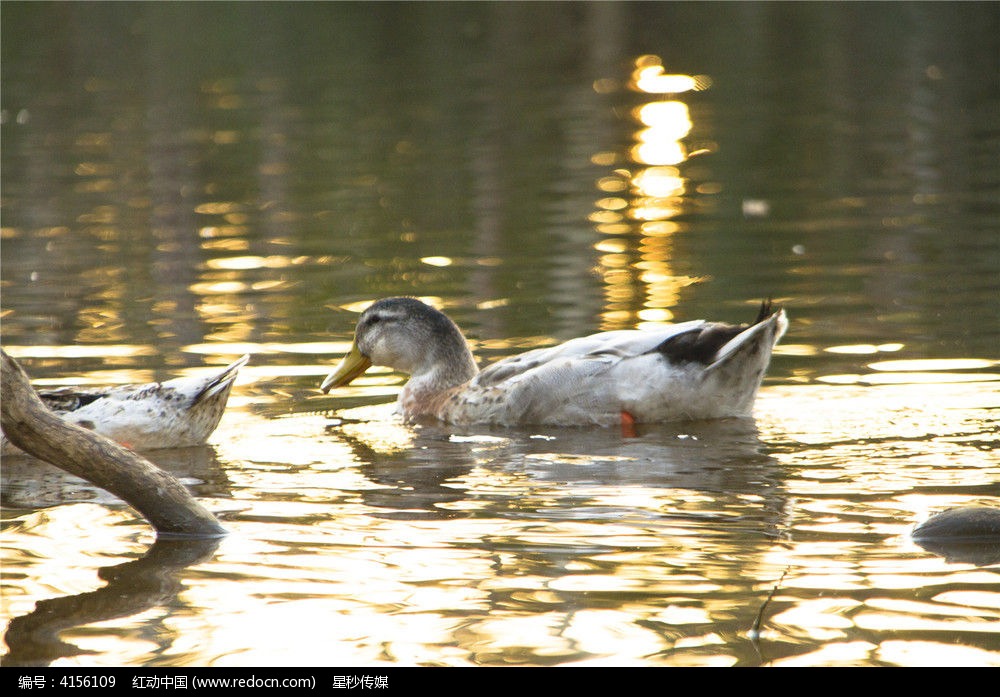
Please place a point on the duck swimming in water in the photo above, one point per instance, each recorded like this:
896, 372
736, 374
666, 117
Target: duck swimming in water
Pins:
692, 370
172, 414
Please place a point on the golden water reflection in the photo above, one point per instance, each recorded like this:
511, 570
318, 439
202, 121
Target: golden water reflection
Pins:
547, 547
641, 285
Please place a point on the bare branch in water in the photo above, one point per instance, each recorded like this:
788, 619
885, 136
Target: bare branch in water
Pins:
157, 495
755, 629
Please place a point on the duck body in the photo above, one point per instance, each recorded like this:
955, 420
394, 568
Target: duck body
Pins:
692, 370
173, 414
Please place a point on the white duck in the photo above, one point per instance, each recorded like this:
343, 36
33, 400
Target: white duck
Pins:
692, 370
172, 414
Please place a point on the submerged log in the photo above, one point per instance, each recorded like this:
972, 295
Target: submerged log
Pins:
158, 496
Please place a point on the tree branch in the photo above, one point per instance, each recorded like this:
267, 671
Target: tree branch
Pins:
157, 495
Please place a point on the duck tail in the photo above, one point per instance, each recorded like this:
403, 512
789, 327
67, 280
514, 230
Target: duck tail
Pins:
222, 381
711, 342
764, 333
766, 310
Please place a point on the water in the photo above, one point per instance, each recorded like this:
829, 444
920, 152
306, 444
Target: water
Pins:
211, 180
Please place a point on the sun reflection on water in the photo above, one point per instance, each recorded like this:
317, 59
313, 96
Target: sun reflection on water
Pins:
636, 260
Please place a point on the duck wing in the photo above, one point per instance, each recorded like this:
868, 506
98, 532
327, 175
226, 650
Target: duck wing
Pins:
186, 392
600, 349
63, 400
691, 370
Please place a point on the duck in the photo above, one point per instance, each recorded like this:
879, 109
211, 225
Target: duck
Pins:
690, 370
175, 413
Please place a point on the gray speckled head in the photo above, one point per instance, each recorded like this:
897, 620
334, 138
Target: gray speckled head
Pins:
408, 335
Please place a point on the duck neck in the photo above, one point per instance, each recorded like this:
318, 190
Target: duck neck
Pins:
451, 365
427, 391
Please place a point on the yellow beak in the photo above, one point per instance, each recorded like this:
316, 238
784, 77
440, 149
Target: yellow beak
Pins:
352, 365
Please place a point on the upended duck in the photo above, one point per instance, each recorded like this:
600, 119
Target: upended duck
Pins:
691, 370
172, 414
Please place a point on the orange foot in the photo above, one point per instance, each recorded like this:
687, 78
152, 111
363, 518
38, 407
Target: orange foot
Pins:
628, 425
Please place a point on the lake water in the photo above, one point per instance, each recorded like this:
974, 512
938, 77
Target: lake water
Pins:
183, 183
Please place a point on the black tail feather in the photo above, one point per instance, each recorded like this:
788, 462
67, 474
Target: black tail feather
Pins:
766, 310
221, 381
701, 345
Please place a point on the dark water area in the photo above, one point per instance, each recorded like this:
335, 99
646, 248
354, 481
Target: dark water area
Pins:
186, 182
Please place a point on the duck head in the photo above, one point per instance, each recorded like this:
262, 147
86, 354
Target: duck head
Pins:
407, 335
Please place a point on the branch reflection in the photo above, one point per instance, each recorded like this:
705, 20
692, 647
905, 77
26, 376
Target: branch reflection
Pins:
134, 587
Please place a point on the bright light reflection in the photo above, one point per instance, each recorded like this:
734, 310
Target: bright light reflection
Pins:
930, 654
823, 614
659, 228
239, 348
908, 378
611, 632
652, 151
669, 119
675, 614
658, 314
933, 364
916, 608
362, 305
983, 599
219, 288
252, 262
611, 246
437, 261
895, 622
98, 378
613, 203
650, 77
659, 182
832, 654
864, 349
654, 81
658, 194
81, 351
